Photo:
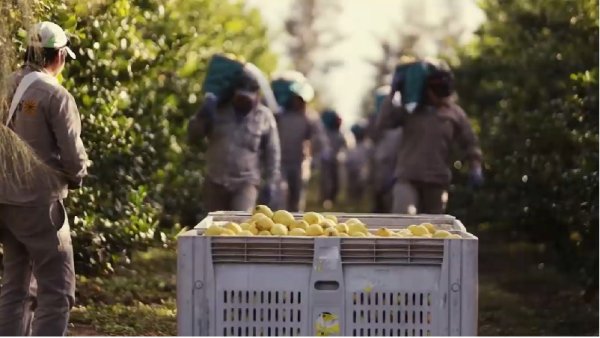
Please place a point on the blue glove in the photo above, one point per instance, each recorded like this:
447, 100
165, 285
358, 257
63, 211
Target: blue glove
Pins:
268, 193
209, 106
389, 184
475, 177
397, 82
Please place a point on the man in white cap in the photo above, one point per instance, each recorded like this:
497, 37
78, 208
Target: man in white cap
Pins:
34, 230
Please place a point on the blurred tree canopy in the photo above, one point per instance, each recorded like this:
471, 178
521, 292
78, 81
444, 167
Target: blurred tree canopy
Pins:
530, 83
137, 80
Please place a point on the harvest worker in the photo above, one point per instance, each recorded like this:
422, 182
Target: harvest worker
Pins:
430, 129
330, 165
34, 229
357, 164
301, 134
241, 135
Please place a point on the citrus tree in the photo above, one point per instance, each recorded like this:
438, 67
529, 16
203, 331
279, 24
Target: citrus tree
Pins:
530, 83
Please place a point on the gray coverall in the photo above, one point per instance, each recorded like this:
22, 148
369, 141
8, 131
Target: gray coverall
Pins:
34, 228
330, 166
296, 131
233, 156
423, 165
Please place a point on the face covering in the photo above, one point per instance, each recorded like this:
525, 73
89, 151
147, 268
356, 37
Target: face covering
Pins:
244, 102
442, 90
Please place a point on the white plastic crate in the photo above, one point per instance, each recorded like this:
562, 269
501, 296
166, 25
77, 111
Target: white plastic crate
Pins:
305, 286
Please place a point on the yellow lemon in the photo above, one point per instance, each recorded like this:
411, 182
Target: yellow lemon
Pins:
297, 232
418, 230
279, 229
312, 217
263, 222
342, 228
441, 234
227, 232
213, 230
327, 223
302, 224
262, 209
233, 227
358, 234
404, 232
384, 232
357, 227
314, 230
353, 220
250, 227
283, 217
331, 232
331, 217
430, 227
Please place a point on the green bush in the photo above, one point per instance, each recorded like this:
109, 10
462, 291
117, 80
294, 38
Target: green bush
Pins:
530, 82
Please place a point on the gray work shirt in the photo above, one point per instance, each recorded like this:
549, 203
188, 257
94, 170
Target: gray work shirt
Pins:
428, 134
295, 129
235, 145
47, 119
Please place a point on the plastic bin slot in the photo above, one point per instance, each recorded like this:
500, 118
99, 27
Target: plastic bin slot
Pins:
263, 260
383, 251
260, 312
264, 254
262, 240
405, 313
277, 251
388, 261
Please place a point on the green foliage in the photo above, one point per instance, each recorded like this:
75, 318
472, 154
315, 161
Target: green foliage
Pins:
137, 80
531, 84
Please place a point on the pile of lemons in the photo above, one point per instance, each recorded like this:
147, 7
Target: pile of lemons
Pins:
265, 222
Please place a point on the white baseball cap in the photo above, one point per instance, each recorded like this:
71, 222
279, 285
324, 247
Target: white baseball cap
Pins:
49, 35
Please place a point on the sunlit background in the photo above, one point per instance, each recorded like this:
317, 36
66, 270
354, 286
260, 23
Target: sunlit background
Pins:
363, 25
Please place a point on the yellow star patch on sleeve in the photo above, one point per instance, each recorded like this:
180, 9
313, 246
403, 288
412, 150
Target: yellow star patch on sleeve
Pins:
29, 107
